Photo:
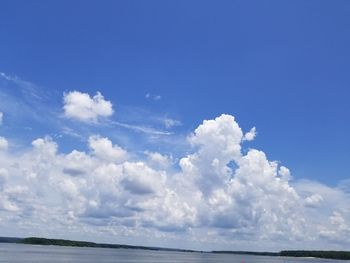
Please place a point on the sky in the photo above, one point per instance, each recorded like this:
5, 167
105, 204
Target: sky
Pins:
192, 124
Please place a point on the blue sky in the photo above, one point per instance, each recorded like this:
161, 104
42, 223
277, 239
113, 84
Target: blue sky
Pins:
279, 66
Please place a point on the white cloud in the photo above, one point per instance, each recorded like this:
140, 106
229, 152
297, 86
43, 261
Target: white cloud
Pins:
3, 144
249, 136
153, 96
219, 197
45, 146
313, 200
105, 150
158, 160
77, 163
3, 178
140, 179
169, 123
82, 107
284, 173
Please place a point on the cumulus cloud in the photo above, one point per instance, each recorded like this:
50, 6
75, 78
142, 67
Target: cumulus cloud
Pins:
217, 194
82, 107
158, 160
313, 200
141, 179
105, 150
249, 136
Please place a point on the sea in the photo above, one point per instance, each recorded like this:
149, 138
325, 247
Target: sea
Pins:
20, 253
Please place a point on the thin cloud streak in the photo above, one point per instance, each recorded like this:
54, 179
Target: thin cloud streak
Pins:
140, 128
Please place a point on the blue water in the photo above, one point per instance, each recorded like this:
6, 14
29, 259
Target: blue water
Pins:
55, 254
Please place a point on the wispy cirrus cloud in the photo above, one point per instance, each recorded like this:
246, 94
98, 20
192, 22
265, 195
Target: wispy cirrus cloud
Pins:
28, 89
25, 104
141, 128
73, 133
153, 96
170, 123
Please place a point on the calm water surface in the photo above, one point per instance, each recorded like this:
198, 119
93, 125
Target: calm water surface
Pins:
39, 254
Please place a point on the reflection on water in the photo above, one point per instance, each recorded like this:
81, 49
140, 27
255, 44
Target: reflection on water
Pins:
28, 253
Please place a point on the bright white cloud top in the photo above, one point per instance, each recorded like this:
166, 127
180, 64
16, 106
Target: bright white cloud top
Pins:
218, 196
82, 107
249, 136
102, 148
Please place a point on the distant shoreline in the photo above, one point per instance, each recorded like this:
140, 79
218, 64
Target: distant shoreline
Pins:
329, 254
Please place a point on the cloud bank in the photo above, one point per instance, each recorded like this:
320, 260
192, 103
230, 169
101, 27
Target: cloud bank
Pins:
219, 196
